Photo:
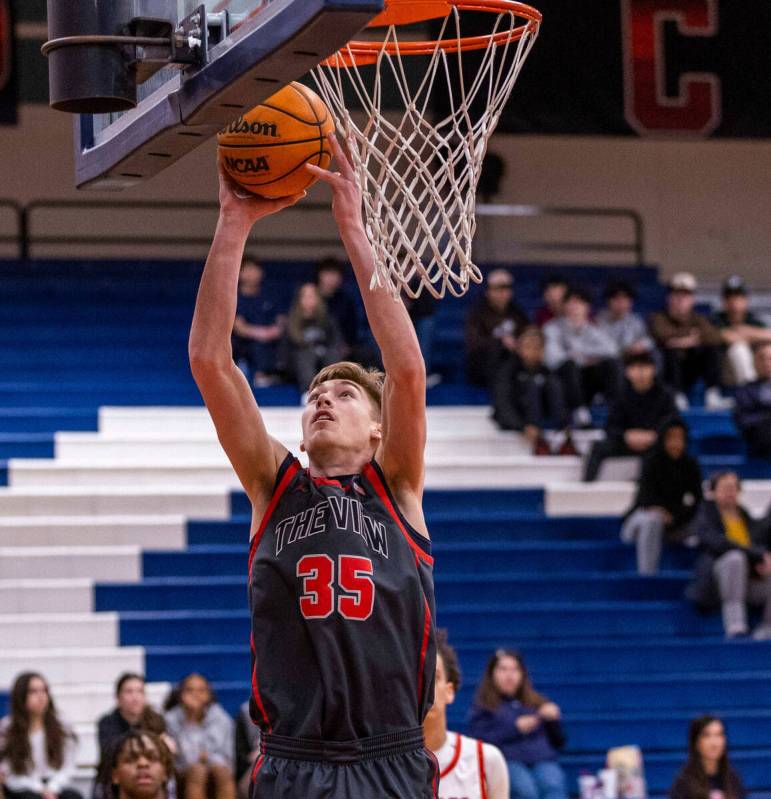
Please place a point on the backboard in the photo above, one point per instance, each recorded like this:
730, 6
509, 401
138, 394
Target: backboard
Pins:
254, 48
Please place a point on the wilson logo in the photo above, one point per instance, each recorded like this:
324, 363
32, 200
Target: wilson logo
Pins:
256, 128
247, 166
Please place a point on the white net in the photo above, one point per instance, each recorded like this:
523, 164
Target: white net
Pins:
419, 165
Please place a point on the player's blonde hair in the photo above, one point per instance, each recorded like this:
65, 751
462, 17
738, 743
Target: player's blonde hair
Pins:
371, 380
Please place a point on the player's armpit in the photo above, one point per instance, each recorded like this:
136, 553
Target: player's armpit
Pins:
254, 455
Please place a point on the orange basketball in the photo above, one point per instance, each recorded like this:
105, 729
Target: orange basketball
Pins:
264, 150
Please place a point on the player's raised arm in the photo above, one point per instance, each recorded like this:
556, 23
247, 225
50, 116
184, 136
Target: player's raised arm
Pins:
255, 456
404, 394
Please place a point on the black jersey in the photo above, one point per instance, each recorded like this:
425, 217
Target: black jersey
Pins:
342, 605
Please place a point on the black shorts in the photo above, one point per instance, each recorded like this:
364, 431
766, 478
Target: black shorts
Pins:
392, 766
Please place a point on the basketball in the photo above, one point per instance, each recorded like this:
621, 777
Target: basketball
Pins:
264, 150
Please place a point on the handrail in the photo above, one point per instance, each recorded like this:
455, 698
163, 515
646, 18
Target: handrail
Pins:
20, 236
27, 238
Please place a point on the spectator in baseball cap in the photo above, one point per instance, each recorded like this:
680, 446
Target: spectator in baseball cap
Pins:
690, 343
741, 331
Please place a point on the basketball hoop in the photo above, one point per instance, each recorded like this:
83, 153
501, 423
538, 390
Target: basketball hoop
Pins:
419, 175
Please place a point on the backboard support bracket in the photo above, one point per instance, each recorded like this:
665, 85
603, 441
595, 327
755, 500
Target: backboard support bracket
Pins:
280, 43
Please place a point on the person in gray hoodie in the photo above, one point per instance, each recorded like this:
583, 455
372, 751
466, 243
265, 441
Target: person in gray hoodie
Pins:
585, 357
204, 734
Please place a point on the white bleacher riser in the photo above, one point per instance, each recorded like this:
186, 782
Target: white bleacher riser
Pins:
46, 596
202, 502
41, 630
148, 532
615, 498
83, 704
70, 665
500, 471
88, 748
97, 563
446, 422
96, 448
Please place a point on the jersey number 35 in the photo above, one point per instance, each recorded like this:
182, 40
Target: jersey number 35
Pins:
354, 592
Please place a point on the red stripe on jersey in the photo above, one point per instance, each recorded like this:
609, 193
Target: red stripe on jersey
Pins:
435, 779
257, 766
256, 687
380, 490
423, 649
455, 757
325, 481
285, 480
482, 777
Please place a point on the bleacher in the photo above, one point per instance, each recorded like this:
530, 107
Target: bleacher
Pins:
123, 532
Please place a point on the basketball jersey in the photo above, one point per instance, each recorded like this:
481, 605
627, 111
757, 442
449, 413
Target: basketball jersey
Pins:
462, 768
342, 606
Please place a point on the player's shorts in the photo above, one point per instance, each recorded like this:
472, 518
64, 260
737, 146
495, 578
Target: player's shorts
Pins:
391, 766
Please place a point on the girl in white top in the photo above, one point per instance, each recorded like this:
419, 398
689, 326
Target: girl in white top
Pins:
468, 769
37, 752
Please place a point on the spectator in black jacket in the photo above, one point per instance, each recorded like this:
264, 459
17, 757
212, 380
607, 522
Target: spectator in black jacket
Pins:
635, 418
708, 773
668, 495
734, 569
340, 304
492, 328
526, 393
753, 406
509, 713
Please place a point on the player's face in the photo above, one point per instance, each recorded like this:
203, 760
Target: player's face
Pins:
444, 692
140, 772
338, 414
507, 675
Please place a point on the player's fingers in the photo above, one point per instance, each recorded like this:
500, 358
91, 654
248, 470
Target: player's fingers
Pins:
342, 157
331, 178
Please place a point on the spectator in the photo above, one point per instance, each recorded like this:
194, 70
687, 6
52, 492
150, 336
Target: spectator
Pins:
492, 328
204, 735
132, 713
741, 330
526, 393
340, 304
524, 725
619, 321
753, 406
689, 343
37, 751
584, 356
247, 749
312, 336
708, 774
257, 327
554, 289
668, 496
635, 417
735, 565
138, 766
468, 768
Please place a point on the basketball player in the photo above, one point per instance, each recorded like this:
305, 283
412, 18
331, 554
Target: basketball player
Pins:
139, 766
469, 769
340, 571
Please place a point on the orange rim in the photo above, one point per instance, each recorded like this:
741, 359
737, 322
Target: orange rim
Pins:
405, 12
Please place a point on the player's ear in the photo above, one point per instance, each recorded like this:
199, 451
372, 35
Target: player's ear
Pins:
302, 446
450, 698
376, 431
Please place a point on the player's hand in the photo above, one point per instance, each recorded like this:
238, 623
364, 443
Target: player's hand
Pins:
346, 192
238, 206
